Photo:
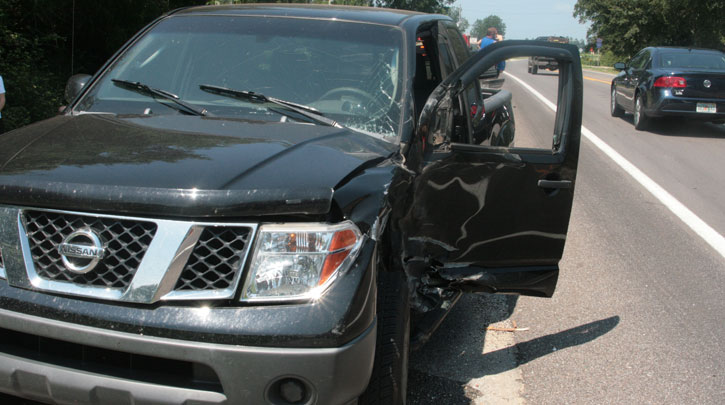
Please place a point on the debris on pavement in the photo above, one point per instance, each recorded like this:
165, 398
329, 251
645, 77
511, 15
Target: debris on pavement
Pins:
514, 328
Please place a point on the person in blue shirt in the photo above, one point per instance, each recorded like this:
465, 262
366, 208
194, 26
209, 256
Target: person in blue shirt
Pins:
490, 38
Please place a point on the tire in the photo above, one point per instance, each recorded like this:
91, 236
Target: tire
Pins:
641, 121
389, 379
614, 108
529, 69
535, 69
496, 135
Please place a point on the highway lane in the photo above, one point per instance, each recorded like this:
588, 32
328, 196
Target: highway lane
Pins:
684, 157
635, 272
638, 313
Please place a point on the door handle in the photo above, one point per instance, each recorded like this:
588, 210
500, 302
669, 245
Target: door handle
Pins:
554, 184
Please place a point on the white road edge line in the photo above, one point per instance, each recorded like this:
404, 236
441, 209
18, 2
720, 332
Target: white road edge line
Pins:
700, 227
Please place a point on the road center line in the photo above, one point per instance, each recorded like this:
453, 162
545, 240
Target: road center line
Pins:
597, 80
700, 227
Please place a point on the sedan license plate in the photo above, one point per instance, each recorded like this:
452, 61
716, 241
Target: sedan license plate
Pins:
706, 108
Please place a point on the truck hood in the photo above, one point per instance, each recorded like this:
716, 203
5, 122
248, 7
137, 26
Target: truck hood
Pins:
180, 165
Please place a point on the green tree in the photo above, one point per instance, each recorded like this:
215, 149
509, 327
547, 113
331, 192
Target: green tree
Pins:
627, 26
31, 87
461, 22
350, 2
42, 43
426, 6
481, 26
580, 43
338, 2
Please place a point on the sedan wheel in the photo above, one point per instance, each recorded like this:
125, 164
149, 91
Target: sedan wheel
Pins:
615, 109
640, 118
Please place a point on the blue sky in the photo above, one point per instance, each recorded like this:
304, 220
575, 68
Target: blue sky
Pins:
528, 18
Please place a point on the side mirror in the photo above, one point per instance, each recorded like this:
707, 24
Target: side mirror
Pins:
75, 85
620, 66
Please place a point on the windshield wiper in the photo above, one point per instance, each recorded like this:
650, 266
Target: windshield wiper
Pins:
150, 91
300, 109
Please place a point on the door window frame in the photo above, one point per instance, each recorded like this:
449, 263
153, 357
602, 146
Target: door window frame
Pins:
570, 88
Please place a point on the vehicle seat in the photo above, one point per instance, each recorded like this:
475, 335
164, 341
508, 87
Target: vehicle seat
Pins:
424, 83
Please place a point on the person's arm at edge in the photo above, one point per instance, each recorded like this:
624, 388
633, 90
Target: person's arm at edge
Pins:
2, 94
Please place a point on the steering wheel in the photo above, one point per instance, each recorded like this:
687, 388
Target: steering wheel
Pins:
355, 92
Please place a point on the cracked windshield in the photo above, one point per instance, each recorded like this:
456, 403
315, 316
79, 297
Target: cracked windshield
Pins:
352, 79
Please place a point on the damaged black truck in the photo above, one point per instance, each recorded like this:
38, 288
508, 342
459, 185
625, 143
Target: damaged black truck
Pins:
249, 204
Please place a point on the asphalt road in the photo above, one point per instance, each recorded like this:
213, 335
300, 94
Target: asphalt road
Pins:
638, 316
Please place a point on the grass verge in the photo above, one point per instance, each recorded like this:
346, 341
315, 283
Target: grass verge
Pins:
604, 69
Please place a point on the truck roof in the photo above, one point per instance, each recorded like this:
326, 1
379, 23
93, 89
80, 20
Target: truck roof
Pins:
374, 15
554, 38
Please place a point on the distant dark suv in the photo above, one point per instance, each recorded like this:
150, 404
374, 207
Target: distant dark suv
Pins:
543, 62
249, 204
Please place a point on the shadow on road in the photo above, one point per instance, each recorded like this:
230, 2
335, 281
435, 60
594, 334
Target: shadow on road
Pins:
541, 346
670, 126
427, 389
440, 370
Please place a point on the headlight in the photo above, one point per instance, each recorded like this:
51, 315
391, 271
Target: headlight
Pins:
299, 261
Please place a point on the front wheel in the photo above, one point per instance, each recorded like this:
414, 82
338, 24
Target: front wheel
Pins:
389, 379
615, 110
535, 69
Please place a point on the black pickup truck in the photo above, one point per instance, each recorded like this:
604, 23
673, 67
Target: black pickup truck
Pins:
545, 62
249, 205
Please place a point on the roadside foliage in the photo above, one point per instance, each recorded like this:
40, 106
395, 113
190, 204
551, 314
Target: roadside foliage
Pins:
626, 26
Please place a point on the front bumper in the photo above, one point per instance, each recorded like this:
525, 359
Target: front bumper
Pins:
246, 374
70, 350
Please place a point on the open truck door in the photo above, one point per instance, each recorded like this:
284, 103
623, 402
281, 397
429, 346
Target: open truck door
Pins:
493, 216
